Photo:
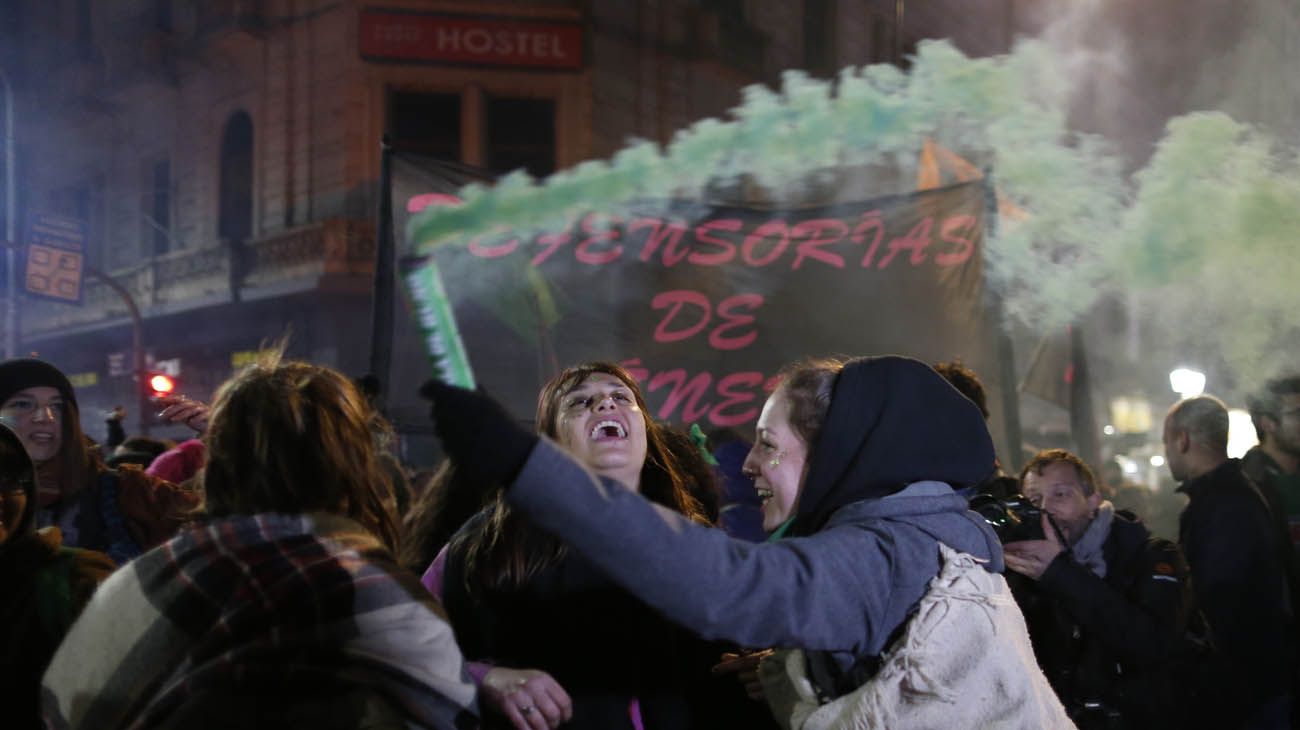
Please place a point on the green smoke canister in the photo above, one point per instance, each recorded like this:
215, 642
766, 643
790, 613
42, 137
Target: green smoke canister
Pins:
437, 324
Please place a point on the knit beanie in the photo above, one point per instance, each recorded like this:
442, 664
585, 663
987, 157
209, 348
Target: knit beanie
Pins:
28, 372
180, 463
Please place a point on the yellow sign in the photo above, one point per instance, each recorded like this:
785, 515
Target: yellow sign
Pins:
246, 357
1131, 414
83, 380
54, 272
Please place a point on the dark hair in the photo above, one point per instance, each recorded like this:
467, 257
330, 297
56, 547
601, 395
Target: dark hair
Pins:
1047, 457
140, 450
75, 465
444, 503
506, 549
807, 386
147, 445
966, 381
369, 385
1267, 402
701, 478
294, 437
17, 471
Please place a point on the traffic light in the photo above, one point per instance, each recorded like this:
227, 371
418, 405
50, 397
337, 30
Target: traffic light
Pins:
161, 384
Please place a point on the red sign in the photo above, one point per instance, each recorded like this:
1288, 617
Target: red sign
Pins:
467, 39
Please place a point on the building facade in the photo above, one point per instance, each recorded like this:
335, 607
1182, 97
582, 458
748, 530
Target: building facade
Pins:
224, 155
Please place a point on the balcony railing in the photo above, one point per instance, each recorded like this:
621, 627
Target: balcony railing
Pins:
337, 246
215, 16
192, 278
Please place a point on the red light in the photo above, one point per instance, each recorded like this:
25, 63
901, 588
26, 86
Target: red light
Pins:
162, 384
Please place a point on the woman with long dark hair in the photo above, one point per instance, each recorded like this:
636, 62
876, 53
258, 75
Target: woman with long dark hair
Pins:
546, 617
118, 511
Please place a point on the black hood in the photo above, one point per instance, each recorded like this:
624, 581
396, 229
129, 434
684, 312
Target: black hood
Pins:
892, 421
16, 468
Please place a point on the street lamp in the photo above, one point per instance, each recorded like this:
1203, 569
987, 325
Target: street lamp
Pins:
11, 237
1241, 433
1186, 382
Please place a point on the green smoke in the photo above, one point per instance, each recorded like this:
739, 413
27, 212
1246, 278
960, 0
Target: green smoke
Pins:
1204, 235
1006, 112
1213, 233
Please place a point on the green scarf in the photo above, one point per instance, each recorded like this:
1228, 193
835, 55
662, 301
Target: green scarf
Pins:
779, 532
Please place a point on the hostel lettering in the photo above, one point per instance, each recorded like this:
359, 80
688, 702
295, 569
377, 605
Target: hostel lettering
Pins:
408, 35
502, 43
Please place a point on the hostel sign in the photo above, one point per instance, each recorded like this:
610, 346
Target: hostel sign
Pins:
470, 40
55, 246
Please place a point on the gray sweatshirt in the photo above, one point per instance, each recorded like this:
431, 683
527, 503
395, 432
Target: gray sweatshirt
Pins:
844, 589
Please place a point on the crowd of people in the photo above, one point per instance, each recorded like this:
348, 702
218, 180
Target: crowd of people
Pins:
281, 568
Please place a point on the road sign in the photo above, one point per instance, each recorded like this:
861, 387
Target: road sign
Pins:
171, 366
54, 257
118, 365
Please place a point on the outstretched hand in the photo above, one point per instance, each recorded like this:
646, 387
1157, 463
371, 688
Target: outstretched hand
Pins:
180, 409
531, 698
477, 434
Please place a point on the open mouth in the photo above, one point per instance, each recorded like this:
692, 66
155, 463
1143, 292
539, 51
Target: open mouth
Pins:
608, 430
764, 493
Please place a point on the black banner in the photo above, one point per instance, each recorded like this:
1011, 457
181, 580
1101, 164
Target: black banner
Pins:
705, 303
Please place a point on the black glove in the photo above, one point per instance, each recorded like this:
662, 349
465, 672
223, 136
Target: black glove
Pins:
483, 440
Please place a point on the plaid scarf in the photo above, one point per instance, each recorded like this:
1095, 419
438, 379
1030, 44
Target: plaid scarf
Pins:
268, 611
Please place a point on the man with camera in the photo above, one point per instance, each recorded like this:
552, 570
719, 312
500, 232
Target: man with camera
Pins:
1105, 601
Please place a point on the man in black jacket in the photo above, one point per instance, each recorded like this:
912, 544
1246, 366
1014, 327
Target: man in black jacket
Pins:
1105, 601
1235, 552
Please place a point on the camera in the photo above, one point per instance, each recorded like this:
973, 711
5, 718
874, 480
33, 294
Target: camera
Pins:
1012, 517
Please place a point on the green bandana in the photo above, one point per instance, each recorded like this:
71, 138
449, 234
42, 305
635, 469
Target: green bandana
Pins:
780, 531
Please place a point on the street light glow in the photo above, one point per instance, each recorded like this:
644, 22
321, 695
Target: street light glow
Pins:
1187, 383
162, 384
1241, 433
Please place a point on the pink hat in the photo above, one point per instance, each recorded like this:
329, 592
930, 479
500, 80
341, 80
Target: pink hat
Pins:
180, 463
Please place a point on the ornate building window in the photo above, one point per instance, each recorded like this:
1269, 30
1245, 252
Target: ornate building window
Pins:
235, 201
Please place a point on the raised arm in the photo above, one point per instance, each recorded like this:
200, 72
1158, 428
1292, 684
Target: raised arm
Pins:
821, 592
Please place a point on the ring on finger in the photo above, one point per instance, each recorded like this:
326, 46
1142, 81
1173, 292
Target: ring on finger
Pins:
526, 710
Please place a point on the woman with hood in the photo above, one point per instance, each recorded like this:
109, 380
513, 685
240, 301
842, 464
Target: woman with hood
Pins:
121, 512
857, 463
45, 586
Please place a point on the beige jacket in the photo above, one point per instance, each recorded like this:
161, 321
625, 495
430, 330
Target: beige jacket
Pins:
964, 660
